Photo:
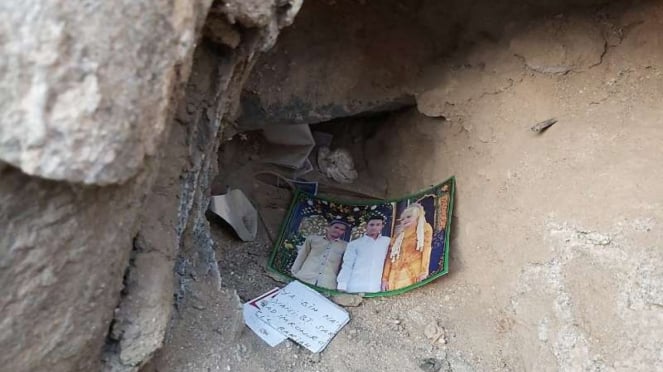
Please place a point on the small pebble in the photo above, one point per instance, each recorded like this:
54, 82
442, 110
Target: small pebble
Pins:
430, 365
432, 332
347, 300
198, 306
541, 126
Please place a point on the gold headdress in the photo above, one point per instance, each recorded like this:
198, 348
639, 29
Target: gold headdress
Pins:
421, 223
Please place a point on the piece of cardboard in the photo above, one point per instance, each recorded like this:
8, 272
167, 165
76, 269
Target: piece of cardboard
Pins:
237, 210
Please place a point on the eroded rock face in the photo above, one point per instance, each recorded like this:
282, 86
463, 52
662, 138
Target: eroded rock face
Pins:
87, 90
173, 251
338, 59
88, 98
86, 85
560, 45
63, 251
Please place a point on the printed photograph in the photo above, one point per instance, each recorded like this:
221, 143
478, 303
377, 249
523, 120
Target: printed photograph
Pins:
370, 248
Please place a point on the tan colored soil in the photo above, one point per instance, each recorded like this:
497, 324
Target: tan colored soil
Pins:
556, 247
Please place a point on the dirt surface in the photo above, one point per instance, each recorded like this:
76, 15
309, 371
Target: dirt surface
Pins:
556, 240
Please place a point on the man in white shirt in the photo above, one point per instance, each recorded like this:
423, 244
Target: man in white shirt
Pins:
364, 259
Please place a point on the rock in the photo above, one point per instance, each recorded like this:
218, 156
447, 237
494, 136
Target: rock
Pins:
434, 333
144, 312
640, 35
315, 358
260, 13
488, 70
87, 92
83, 97
219, 31
397, 325
250, 13
459, 365
560, 45
143, 316
347, 300
431, 365
192, 161
64, 252
333, 66
198, 306
269, 16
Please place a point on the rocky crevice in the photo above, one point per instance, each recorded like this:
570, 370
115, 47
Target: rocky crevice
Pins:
130, 170
180, 248
111, 125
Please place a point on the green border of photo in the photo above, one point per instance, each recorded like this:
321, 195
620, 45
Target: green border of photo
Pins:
447, 233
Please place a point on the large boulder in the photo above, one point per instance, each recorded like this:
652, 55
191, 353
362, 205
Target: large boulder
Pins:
86, 85
87, 89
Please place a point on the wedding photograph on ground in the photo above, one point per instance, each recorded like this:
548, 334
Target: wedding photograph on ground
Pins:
370, 248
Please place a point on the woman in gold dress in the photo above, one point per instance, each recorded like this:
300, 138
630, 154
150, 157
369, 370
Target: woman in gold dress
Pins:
409, 252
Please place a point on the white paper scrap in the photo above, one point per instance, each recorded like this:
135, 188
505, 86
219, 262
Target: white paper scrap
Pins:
304, 315
237, 210
264, 331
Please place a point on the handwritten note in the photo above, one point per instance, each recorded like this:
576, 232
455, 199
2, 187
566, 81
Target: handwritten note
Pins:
264, 331
304, 315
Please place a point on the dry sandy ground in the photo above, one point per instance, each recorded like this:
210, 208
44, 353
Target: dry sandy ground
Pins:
557, 242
